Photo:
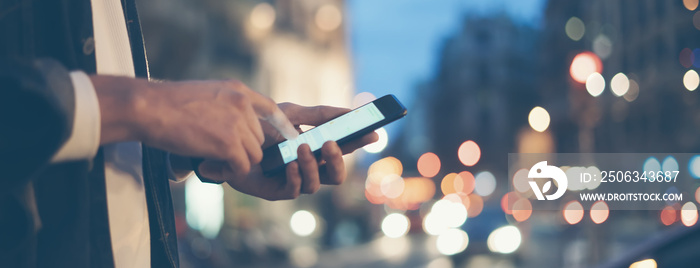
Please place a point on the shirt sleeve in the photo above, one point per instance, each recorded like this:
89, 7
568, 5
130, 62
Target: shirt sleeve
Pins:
84, 140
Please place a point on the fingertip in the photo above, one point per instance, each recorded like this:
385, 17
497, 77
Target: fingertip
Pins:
304, 150
280, 121
330, 148
372, 137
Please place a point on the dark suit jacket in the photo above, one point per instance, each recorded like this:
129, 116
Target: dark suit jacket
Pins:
55, 215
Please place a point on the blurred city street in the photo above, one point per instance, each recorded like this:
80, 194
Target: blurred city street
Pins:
481, 80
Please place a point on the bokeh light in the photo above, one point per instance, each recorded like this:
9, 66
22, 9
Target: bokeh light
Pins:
448, 184
648, 263
380, 144
485, 183
538, 119
686, 57
476, 205
464, 182
595, 171
450, 212
691, 80
668, 215
694, 166
386, 166
469, 153
602, 46
632, 92
522, 209
428, 165
690, 4
504, 240
573, 212
328, 17
520, 181
362, 98
452, 241
696, 55
416, 191
303, 223
383, 177
392, 186
445, 213
583, 65
619, 84
697, 195
696, 20
262, 16
652, 164
669, 164
507, 202
395, 225
595, 84
599, 212
575, 172
689, 214
432, 224
575, 29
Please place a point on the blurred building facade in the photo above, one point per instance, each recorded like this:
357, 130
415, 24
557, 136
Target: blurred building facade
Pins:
641, 39
483, 86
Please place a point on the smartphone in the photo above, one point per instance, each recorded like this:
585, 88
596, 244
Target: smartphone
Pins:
344, 128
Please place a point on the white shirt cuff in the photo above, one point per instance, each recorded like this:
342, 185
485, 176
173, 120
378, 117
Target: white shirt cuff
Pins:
84, 140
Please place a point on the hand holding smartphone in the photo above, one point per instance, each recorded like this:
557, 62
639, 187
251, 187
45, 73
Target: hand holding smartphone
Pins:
342, 129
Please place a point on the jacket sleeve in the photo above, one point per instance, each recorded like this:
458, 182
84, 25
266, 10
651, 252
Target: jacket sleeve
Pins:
37, 106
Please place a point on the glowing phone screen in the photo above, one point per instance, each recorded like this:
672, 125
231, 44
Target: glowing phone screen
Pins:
335, 130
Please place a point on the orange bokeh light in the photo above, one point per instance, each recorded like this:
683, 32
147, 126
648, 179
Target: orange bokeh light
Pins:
507, 202
599, 212
573, 212
374, 198
448, 184
583, 65
385, 166
469, 153
476, 204
522, 209
416, 191
697, 194
428, 165
668, 215
690, 4
464, 182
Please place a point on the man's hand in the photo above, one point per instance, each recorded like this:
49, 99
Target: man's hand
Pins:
306, 174
213, 120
